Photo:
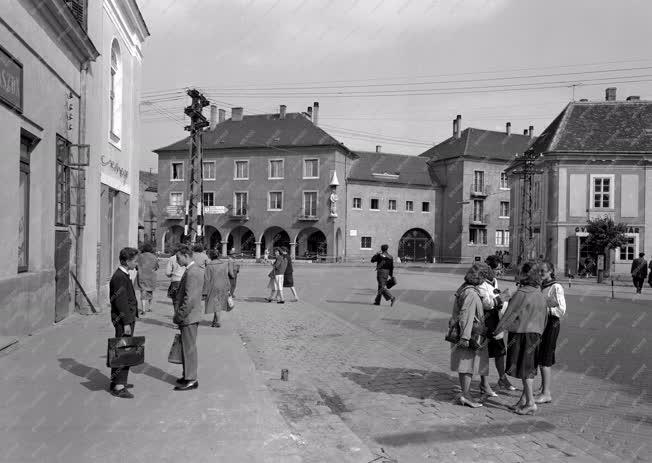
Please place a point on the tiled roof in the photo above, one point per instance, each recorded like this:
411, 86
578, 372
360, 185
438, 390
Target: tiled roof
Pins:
150, 179
390, 168
601, 126
478, 143
261, 131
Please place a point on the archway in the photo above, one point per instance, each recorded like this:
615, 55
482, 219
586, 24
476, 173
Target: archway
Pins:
415, 246
242, 241
273, 237
212, 238
311, 243
173, 237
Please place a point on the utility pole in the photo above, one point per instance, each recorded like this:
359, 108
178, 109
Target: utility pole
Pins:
194, 220
527, 172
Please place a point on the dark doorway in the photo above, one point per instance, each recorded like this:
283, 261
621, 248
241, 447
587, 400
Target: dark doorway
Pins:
280, 238
415, 246
62, 243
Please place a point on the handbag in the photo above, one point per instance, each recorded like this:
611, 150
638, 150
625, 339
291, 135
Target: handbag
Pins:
454, 334
391, 282
176, 351
230, 303
478, 337
127, 351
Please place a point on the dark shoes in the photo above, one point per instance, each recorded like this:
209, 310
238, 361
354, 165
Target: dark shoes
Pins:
215, 325
280, 302
393, 300
122, 393
376, 303
187, 385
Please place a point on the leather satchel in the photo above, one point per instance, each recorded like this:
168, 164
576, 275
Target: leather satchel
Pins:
478, 335
127, 351
391, 282
453, 335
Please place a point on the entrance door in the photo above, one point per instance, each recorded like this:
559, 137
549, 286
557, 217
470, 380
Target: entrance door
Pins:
62, 243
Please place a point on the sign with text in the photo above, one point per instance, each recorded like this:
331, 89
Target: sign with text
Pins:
11, 81
175, 211
214, 209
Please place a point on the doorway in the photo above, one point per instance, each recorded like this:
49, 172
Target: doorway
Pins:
62, 244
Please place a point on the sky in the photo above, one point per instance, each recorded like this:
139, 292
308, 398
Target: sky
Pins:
390, 72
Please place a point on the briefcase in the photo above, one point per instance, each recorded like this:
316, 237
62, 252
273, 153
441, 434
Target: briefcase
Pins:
127, 351
391, 282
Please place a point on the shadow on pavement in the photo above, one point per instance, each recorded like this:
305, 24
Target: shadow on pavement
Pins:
254, 299
95, 379
369, 302
154, 372
153, 321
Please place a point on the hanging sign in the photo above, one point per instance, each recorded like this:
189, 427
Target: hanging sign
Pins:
11, 81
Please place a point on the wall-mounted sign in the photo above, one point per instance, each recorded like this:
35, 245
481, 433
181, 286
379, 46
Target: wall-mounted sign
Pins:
215, 209
353, 232
175, 211
115, 167
11, 81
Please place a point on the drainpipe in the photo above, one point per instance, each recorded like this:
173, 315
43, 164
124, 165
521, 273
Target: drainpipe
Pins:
81, 138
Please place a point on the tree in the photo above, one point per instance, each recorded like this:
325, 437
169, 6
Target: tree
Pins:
604, 235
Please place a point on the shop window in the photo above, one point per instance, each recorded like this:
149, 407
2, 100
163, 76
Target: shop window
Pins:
365, 242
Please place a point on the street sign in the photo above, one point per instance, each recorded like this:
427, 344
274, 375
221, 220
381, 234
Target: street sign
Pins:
215, 209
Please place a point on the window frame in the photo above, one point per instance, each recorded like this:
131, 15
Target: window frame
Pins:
304, 168
371, 201
504, 241
183, 171
303, 202
235, 169
389, 205
359, 208
362, 248
25, 167
115, 93
423, 203
500, 211
245, 205
612, 192
505, 185
411, 205
62, 187
269, 201
477, 231
483, 178
636, 237
214, 170
204, 193
176, 193
269, 169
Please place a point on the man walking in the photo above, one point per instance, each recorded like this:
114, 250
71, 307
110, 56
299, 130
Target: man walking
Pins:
639, 272
384, 269
188, 312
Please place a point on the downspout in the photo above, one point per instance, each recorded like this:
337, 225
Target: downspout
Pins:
81, 138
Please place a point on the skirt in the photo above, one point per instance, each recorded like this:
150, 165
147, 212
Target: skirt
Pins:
496, 347
288, 281
549, 342
522, 355
465, 360
146, 294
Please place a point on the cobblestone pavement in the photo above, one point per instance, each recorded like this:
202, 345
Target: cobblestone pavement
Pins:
384, 370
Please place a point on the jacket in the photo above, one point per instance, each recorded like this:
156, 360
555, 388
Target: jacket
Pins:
233, 269
188, 307
173, 270
280, 264
200, 259
216, 286
384, 261
466, 308
639, 268
527, 312
147, 267
124, 305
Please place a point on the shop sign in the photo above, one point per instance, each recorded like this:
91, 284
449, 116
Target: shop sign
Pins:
115, 167
175, 211
353, 232
11, 81
214, 209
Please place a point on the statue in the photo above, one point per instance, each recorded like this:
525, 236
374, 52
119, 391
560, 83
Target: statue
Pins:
333, 199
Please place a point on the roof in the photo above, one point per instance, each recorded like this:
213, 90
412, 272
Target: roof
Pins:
600, 126
150, 179
390, 168
479, 143
262, 131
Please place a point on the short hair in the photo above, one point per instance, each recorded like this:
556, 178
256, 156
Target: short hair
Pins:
127, 254
184, 249
146, 247
492, 261
213, 254
474, 275
284, 250
529, 274
641, 254
198, 247
384, 248
551, 267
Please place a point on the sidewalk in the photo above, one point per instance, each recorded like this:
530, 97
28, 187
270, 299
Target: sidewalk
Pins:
55, 404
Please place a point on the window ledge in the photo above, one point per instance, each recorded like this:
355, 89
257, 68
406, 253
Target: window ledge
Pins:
114, 140
234, 178
275, 178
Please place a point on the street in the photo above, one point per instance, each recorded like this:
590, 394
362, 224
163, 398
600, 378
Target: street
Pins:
385, 372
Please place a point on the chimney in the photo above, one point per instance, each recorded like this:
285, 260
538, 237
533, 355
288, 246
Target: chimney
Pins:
236, 114
530, 131
378, 147
315, 113
213, 121
457, 126
508, 128
524, 131
221, 116
610, 94
309, 112
633, 98
281, 112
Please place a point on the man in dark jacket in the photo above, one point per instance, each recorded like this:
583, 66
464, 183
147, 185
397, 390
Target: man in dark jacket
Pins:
639, 272
124, 309
384, 270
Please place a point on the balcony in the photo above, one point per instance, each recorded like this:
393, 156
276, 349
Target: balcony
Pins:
307, 216
478, 219
175, 212
240, 213
479, 190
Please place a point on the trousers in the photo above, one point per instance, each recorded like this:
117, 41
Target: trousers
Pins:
638, 283
120, 375
381, 277
189, 351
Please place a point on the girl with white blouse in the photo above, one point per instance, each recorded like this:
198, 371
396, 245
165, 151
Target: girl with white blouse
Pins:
556, 302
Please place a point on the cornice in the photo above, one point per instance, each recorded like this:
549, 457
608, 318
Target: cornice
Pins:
119, 17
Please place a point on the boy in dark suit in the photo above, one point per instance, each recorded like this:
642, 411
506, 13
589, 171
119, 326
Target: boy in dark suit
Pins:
124, 309
384, 269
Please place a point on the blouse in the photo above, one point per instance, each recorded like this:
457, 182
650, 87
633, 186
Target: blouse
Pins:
555, 300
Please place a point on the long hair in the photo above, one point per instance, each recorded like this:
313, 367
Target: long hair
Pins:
550, 267
529, 274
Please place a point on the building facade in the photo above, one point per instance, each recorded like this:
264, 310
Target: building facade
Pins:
474, 210
592, 161
148, 208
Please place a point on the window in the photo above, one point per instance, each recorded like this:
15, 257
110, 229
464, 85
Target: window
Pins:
241, 170
477, 236
209, 198
275, 202
357, 203
504, 184
23, 205
425, 206
208, 170
176, 172
373, 204
502, 237
504, 209
628, 252
391, 205
240, 203
115, 92
365, 242
409, 206
478, 209
276, 168
478, 180
310, 203
62, 216
602, 194
176, 198
311, 168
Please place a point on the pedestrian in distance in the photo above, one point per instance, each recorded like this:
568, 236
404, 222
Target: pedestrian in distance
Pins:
467, 359
174, 271
525, 320
556, 303
199, 256
233, 271
216, 286
639, 272
188, 312
276, 278
124, 309
147, 267
649, 278
384, 270
288, 276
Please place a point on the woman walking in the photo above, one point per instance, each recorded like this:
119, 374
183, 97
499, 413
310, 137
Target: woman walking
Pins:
468, 358
276, 278
147, 267
556, 303
216, 286
288, 276
525, 320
